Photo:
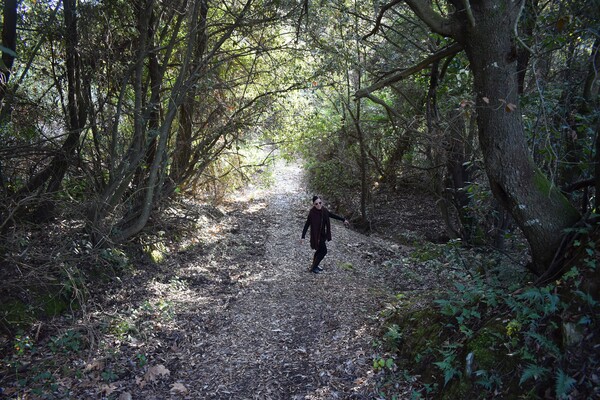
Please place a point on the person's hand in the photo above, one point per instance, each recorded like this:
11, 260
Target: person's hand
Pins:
346, 223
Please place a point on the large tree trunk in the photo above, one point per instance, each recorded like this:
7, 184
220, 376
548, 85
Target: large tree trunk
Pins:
537, 206
486, 30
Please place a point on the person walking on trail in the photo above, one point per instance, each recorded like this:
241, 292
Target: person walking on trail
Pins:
320, 231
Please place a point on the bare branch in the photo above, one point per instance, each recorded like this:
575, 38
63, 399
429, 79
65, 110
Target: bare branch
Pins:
382, 11
447, 51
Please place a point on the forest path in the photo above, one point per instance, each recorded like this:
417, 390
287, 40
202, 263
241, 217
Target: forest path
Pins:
291, 334
230, 310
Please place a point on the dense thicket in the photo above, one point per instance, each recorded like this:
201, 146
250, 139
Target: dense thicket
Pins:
117, 105
111, 111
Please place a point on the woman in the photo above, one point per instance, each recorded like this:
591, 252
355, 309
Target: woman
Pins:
320, 231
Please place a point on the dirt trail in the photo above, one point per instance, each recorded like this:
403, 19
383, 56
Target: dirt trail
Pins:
291, 334
229, 312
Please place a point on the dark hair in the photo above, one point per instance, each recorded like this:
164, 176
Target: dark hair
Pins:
315, 197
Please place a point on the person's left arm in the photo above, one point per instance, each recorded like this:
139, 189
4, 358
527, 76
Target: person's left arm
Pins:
335, 216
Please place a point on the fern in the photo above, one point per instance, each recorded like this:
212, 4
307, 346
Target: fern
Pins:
545, 343
564, 384
541, 299
587, 298
447, 366
449, 371
533, 371
532, 295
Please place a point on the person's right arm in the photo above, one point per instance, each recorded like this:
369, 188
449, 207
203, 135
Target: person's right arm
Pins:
306, 225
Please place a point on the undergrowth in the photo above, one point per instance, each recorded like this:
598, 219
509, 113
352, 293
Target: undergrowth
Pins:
51, 274
494, 334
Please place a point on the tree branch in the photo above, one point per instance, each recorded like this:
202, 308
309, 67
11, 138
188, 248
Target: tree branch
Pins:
469, 12
435, 21
579, 185
382, 11
445, 52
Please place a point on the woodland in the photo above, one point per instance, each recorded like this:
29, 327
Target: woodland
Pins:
157, 161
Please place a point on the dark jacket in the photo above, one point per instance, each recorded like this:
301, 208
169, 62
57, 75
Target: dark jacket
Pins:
320, 225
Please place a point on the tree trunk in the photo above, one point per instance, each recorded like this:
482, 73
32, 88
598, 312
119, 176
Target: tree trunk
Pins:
9, 42
486, 30
364, 185
76, 108
54, 173
183, 143
528, 19
537, 206
458, 174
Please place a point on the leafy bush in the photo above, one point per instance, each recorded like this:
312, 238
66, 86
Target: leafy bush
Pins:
333, 179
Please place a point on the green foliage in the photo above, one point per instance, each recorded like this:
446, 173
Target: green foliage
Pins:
8, 51
381, 363
426, 252
22, 344
564, 384
43, 383
347, 266
497, 340
117, 258
42, 302
535, 372
16, 313
331, 177
69, 342
109, 375
392, 338
122, 328
488, 381
141, 360
449, 365
156, 248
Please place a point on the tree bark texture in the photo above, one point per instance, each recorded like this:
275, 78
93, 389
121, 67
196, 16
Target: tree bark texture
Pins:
537, 206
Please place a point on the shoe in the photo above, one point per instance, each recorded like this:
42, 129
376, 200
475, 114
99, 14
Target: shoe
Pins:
319, 268
316, 270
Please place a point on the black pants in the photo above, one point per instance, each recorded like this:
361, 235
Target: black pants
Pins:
319, 254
